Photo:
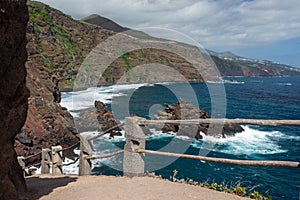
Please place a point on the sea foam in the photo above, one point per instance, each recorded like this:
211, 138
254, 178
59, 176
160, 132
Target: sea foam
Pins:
249, 142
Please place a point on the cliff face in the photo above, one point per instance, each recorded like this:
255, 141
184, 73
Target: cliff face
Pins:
56, 47
227, 63
60, 42
250, 67
47, 123
13, 92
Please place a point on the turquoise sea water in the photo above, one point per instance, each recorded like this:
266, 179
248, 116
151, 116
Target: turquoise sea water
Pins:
257, 98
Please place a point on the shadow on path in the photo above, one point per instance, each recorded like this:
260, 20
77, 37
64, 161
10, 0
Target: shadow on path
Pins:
38, 187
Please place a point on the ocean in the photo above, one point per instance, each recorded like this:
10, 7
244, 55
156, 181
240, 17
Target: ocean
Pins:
245, 97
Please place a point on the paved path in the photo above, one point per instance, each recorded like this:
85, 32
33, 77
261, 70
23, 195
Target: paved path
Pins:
115, 188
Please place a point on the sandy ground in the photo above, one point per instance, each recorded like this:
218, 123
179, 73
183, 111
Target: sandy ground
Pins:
114, 188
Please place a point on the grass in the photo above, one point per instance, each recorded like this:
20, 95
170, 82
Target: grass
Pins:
108, 75
236, 189
46, 60
125, 56
35, 15
41, 20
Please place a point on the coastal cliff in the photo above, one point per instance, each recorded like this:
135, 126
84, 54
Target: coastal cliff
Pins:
227, 63
57, 46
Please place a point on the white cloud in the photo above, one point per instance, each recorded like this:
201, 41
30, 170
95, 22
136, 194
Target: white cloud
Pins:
216, 24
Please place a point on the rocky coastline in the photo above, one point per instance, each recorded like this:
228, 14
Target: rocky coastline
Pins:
185, 110
101, 119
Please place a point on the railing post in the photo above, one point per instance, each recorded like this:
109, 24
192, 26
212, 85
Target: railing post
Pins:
45, 163
56, 160
22, 163
85, 165
133, 163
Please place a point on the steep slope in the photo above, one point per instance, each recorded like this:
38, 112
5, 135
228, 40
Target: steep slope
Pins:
56, 46
228, 63
62, 42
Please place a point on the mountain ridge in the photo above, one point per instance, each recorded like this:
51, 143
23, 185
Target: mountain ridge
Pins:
104, 23
244, 66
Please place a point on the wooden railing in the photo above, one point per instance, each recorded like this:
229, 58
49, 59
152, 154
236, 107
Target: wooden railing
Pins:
259, 122
49, 158
134, 148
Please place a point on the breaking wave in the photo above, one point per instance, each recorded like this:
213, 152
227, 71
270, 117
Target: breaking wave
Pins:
249, 142
79, 100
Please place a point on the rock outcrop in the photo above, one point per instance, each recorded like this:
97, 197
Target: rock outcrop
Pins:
186, 110
106, 119
98, 119
13, 93
47, 123
60, 42
56, 47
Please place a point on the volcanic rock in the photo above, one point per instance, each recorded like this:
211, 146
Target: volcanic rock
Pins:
47, 123
98, 119
186, 110
13, 93
53, 60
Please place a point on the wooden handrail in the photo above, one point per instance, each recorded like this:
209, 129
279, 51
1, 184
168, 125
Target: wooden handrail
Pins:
135, 145
225, 160
105, 132
104, 156
261, 122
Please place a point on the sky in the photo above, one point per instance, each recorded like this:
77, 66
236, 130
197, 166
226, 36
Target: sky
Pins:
258, 29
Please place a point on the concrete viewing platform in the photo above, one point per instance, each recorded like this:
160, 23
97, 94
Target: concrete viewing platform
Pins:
111, 187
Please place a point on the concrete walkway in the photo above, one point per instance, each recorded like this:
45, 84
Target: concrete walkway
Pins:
115, 188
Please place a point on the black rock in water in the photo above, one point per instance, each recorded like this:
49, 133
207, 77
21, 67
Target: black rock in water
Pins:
185, 110
98, 118
106, 119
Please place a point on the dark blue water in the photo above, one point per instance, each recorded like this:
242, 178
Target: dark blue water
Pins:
257, 98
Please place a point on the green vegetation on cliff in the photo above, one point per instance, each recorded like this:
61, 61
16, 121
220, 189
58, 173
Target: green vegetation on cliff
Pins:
233, 65
63, 43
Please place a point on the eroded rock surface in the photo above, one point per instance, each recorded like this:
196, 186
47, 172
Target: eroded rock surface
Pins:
98, 119
56, 47
47, 124
186, 110
13, 93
